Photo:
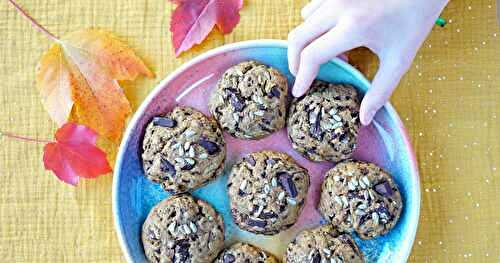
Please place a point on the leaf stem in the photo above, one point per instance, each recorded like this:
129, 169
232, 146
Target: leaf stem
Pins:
22, 138
35, 24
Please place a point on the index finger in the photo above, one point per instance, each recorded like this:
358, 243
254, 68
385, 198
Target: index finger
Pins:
331, 44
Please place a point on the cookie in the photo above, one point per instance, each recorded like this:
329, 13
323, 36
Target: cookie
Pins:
183, 150
361, 197
249, 101
245, 253
182, 229
267, 191
323, 125
323, 244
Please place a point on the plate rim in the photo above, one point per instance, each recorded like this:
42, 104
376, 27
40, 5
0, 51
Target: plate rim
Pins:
243, 45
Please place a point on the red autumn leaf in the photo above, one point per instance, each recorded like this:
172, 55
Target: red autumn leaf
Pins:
193, 20
74, 154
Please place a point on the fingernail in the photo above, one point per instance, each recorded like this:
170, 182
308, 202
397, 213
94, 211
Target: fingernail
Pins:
293, 70
296, 93
368, 118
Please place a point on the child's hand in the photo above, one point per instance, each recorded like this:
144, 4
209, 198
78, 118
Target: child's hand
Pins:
393, 29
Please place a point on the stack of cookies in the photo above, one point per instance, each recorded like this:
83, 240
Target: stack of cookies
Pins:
184, 149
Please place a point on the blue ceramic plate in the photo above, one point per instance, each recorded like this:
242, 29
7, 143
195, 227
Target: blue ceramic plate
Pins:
385, 143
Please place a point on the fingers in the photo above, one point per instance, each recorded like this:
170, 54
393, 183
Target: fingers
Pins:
302, 35
386, 80
323, 49
310, 8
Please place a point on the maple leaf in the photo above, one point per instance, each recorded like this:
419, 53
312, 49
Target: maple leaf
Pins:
193, 20
74, 154
83, 70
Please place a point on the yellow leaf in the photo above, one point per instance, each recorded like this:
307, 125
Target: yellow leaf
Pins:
88, 64
54, 81
110, 52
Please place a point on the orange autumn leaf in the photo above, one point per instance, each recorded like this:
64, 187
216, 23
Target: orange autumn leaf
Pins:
83, 69
52, 82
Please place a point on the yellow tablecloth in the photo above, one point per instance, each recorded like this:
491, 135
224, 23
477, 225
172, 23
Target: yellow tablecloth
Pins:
449, 101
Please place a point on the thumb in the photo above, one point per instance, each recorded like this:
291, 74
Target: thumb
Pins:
386, 80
